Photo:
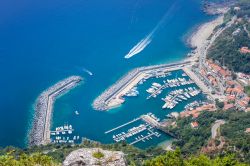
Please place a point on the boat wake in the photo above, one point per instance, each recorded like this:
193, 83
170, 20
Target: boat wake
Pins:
139, 47
87, 71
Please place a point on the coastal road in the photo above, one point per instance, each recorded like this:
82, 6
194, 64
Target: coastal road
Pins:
215, 127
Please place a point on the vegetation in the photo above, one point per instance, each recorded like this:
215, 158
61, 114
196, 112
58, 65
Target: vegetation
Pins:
175, 158
11, 159
192, 140
245, 9
219, 104
98, 155
247, 90
226, 47
134, 156
170, 158
237, 141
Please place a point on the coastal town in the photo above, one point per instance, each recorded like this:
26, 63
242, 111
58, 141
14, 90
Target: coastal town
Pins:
125, 83
222, 86
199, 78
213, 80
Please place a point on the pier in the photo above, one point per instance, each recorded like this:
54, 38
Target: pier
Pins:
123, 125
145, 137
146, 130
156, 92
148, 119
113, 96
40, 133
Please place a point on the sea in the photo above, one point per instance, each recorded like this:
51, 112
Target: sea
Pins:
43, 42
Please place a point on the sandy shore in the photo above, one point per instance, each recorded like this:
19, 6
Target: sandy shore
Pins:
199, 38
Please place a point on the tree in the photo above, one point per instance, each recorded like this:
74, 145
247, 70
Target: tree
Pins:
219, 104
26, 160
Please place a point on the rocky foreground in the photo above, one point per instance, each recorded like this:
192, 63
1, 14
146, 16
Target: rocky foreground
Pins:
95, 157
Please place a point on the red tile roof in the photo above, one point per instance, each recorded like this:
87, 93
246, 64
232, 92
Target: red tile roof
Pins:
228, 106
194, 124
247, 130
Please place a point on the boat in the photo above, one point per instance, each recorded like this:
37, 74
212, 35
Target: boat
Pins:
150, 90
87, 71
169, 116
156, 84
76, 112
165, 105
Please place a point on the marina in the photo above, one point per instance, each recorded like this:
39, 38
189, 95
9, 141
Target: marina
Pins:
64, 134
157, 88
176, 96
145, 130
114, 96
143, 127
176, 89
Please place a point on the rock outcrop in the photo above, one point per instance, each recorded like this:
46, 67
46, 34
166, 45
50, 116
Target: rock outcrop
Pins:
95, 157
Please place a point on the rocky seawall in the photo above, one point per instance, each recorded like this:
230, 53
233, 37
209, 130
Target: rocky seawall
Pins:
40, 132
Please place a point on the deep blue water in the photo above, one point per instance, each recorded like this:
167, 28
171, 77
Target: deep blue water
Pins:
42, 42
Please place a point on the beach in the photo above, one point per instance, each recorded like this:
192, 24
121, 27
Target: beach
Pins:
198, 40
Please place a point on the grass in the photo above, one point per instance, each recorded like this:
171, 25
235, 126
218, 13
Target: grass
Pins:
247, 90
98, 155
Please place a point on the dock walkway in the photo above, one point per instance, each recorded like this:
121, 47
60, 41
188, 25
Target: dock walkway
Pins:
142, 138
109, 131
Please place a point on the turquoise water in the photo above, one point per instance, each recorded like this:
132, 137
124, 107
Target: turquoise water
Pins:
94, 124
42, 42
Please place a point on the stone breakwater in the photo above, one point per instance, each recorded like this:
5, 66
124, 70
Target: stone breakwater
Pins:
112, 97
40, 133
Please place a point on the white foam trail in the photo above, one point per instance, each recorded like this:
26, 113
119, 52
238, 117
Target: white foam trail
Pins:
87, 71
139, 47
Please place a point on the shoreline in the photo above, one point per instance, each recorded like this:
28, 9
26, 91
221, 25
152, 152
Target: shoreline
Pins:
198, 39
40, 131
112, 97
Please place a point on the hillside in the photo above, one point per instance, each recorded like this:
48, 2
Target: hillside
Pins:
233, 137
227, 47
17, 157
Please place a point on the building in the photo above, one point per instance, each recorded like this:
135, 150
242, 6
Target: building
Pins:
194, 124
228, 106
244, 50
247, 130
243, 79
196, 112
